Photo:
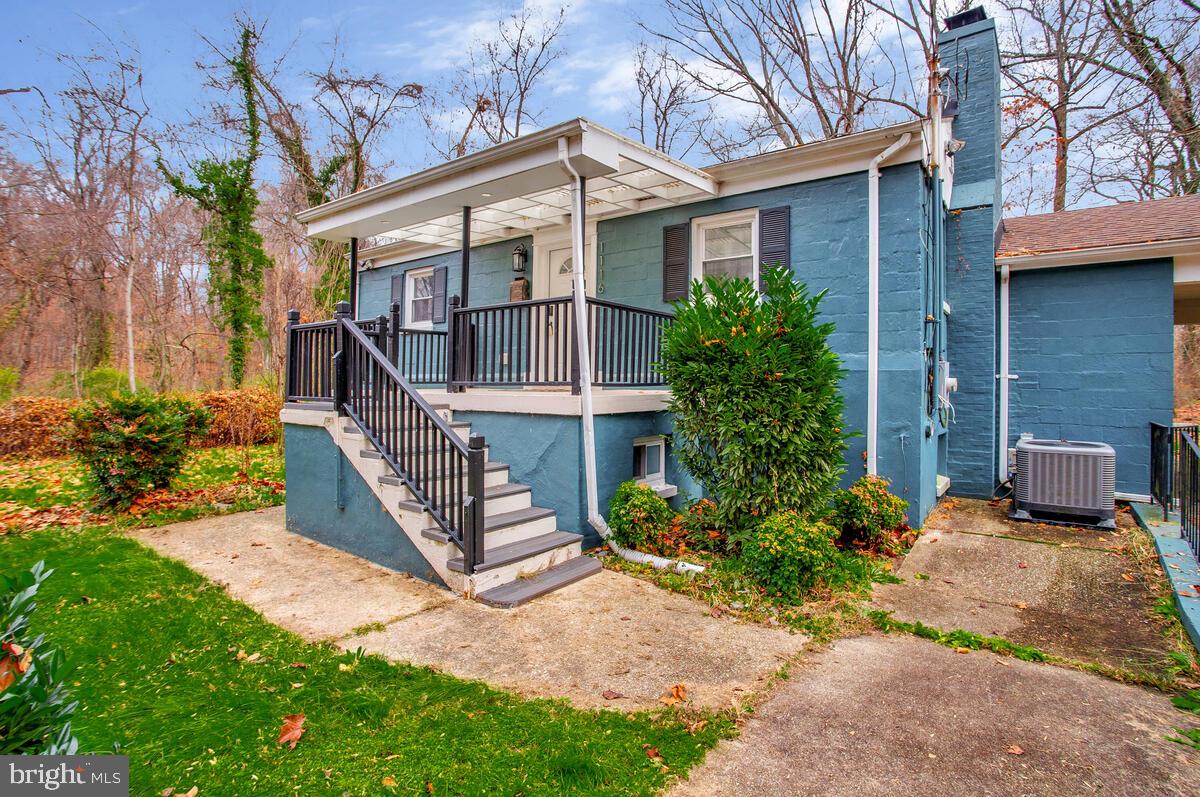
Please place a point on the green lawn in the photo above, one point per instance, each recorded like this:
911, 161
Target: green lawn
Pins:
60, 492
155, 651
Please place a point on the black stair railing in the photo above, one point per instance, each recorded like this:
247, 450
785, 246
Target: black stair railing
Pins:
1187, 489
443, 472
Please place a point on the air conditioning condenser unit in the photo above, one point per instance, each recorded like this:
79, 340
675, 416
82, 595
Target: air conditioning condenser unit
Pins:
1065, 481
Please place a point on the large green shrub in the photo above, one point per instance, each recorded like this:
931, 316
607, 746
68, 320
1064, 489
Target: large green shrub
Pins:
788, 554
134, 442
754, 390
867, 511
35, 707
638, 516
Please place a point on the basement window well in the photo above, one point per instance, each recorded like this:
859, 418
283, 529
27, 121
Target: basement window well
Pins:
650, 464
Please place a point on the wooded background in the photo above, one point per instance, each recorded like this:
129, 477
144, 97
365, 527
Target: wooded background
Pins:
164, 252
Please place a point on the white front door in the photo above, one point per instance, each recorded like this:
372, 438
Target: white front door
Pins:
556, 276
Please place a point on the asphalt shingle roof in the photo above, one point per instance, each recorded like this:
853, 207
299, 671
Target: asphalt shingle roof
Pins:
1114, 225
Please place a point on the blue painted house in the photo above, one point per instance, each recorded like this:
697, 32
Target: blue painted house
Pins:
469, 415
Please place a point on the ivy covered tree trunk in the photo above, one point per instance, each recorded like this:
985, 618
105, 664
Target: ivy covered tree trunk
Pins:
225, 190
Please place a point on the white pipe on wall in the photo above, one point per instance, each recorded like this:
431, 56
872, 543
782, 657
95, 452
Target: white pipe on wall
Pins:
873, 301
1003, 377
579, 297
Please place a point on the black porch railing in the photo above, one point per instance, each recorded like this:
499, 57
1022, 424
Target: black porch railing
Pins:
443, 473
1166, 449
419, 354
533, 343
1187, 490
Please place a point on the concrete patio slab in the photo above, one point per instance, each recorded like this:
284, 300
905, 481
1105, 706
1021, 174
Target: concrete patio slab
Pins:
306, 587
610, 641
898, 715
1051, 589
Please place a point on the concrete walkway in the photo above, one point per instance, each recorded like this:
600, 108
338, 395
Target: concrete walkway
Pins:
609, 641
1071, 592
872, 715
902, 716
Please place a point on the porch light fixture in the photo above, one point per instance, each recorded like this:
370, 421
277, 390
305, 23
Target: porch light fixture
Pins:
519, 257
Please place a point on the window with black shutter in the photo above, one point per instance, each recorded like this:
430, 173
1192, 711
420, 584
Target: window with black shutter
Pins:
676, 269
774, 239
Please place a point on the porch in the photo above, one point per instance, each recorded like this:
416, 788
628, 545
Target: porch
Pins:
531, 345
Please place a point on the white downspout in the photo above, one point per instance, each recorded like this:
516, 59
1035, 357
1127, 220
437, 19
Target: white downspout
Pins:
579, 298
1003, 377
873, 302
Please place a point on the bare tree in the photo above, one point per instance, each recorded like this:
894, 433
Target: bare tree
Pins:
802, 71
670, 114
1159, 39
1053, 97
352, 113
493, 96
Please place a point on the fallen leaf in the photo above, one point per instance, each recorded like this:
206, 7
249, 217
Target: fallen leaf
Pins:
1015, 749
1021, 605
1127, 577
611, 694
389, 781
192, 792
652, 753
1022, 565
678, 694
293, 729
962, 650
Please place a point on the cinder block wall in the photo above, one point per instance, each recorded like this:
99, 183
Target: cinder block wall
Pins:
972, 57
1093, 348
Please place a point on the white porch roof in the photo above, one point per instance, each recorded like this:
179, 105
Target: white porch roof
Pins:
513, 189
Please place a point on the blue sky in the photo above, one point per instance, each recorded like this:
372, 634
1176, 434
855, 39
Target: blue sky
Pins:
408, 41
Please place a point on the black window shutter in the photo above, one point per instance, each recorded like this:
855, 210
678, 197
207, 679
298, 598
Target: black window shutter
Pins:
676, 269
439, 295
774, 239
398, 295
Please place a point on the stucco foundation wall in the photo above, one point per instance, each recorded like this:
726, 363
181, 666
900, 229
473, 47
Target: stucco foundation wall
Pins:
546, 452
362, 527
1093, 348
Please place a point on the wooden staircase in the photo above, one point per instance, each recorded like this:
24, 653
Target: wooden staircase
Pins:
525, 555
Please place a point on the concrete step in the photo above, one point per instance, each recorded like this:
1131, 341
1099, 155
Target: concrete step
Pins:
493, 473
497, 499
462, 429
504, 528
523, 590
519, 551
371, 453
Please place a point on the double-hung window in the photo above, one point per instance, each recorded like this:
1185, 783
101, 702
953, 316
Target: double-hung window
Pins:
726, 244
419, 294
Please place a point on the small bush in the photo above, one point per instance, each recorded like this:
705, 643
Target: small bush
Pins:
638, 516
35, 707
134, 443
102, 382
35, 426
868, 512
242, 417
701, 528
787, 554
9, 379
755, 394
